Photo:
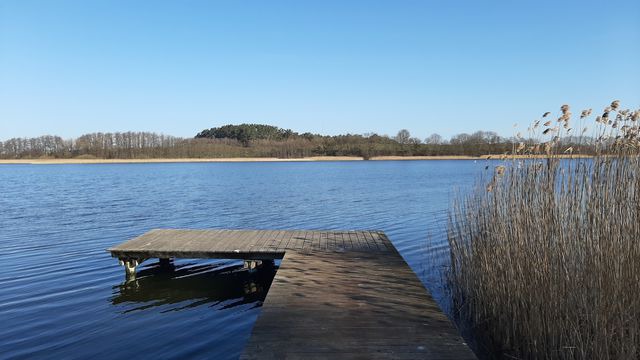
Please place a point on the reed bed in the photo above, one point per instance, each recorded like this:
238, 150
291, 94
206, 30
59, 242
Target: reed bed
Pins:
545, 254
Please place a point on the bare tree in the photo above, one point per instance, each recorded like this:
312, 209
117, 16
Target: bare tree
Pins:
434, 139
403, 136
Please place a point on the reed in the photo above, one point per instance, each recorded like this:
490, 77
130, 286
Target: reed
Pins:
545, 254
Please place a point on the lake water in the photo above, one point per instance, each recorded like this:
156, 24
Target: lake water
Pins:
63, 296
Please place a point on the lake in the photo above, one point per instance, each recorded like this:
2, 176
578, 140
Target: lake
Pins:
63, 296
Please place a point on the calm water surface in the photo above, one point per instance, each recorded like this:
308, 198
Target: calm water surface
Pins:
63, 296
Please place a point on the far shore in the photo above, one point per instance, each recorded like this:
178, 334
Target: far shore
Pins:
45, 161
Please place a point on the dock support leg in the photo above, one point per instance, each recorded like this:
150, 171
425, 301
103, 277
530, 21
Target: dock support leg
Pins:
129, 268
165, 264
252, 264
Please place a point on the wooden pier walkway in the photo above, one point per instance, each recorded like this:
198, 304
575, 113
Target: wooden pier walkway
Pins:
336, 294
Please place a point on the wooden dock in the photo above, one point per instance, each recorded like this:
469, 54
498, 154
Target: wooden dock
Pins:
336, 294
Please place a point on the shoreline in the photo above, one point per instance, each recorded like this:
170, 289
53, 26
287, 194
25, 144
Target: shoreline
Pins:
258, 159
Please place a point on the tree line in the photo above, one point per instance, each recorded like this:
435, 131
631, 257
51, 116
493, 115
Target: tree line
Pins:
252, 140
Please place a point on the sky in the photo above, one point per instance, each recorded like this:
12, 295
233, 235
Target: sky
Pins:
330, 67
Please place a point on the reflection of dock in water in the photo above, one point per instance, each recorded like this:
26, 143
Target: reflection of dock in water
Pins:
189, 285
336, 294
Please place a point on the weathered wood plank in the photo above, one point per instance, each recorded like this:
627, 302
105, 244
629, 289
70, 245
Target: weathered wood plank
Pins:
286, 241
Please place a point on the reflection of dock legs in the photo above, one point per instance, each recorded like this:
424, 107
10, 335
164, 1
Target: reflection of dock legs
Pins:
190, 284
250, 288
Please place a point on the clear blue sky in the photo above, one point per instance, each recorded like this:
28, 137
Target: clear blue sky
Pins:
176, 67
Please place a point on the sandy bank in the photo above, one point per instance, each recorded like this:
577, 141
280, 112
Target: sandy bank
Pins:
443, 157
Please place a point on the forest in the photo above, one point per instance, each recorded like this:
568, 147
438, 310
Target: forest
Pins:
256, 140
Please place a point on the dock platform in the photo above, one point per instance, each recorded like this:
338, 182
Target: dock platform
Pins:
336, 294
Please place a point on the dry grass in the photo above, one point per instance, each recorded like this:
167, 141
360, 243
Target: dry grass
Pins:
546, 253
